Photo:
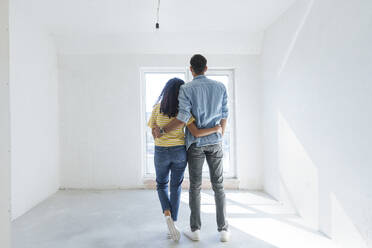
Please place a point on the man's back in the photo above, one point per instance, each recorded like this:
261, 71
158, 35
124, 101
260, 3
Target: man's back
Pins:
206, 100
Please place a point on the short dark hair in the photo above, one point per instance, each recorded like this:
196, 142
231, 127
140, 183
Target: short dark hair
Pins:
198, 63
169, 97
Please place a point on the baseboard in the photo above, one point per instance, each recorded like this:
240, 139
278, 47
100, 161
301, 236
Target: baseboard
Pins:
150, 183
229, 183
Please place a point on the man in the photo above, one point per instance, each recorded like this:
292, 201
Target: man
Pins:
206, 100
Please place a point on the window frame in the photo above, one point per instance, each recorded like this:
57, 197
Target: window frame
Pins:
143, 71
213, 71
231, 121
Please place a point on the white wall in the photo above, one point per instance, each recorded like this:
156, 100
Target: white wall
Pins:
317, 70
34, 110
100, 117
4, 127
161, 42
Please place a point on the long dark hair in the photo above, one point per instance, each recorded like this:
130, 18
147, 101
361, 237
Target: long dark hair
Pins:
169, 97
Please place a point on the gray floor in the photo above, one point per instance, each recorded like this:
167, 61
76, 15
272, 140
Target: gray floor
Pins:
132, 218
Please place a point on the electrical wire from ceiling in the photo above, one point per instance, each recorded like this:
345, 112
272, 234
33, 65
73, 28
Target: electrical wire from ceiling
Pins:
157, 25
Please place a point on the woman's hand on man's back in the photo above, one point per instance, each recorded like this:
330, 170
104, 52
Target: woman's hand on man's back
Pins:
156, 132
218, 129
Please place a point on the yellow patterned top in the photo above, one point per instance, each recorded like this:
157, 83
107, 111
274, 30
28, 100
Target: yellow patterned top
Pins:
173, 138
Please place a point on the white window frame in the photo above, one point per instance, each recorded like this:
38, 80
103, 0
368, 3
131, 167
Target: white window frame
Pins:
218, 71
231, 121
143, 71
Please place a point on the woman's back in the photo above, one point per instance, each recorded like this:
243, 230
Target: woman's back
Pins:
173, 138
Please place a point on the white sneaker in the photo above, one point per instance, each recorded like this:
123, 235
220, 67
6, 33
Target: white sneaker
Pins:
173, 230
193, 235
224, 236
178, 233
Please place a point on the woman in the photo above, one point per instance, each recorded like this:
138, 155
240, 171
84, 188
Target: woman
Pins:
170, 152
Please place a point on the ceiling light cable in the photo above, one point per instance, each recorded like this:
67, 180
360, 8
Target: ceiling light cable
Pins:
157, 26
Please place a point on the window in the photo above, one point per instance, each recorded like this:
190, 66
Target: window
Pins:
153, 81
226, 77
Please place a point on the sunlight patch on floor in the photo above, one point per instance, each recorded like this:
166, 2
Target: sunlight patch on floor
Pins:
231, 209
274, 209
251, 198
264, 218
280, 234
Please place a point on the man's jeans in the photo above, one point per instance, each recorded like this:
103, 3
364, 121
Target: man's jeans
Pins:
196, 158
170, 159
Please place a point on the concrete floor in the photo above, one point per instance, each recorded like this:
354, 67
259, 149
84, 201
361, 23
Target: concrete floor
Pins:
132, 218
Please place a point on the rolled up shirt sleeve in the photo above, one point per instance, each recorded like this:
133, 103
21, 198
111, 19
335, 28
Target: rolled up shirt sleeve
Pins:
184, 106
225, 109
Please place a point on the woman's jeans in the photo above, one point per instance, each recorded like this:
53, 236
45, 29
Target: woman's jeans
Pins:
170, 159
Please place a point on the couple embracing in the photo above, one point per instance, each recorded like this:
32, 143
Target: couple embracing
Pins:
201, 107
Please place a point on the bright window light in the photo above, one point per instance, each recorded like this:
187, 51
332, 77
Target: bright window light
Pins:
154, 80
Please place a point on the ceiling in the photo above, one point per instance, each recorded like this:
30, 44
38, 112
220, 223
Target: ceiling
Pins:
240, 22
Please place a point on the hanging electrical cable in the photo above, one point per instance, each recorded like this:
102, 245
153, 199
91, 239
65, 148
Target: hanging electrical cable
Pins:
157, 25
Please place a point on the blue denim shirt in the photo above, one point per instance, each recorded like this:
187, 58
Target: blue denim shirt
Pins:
206, 100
